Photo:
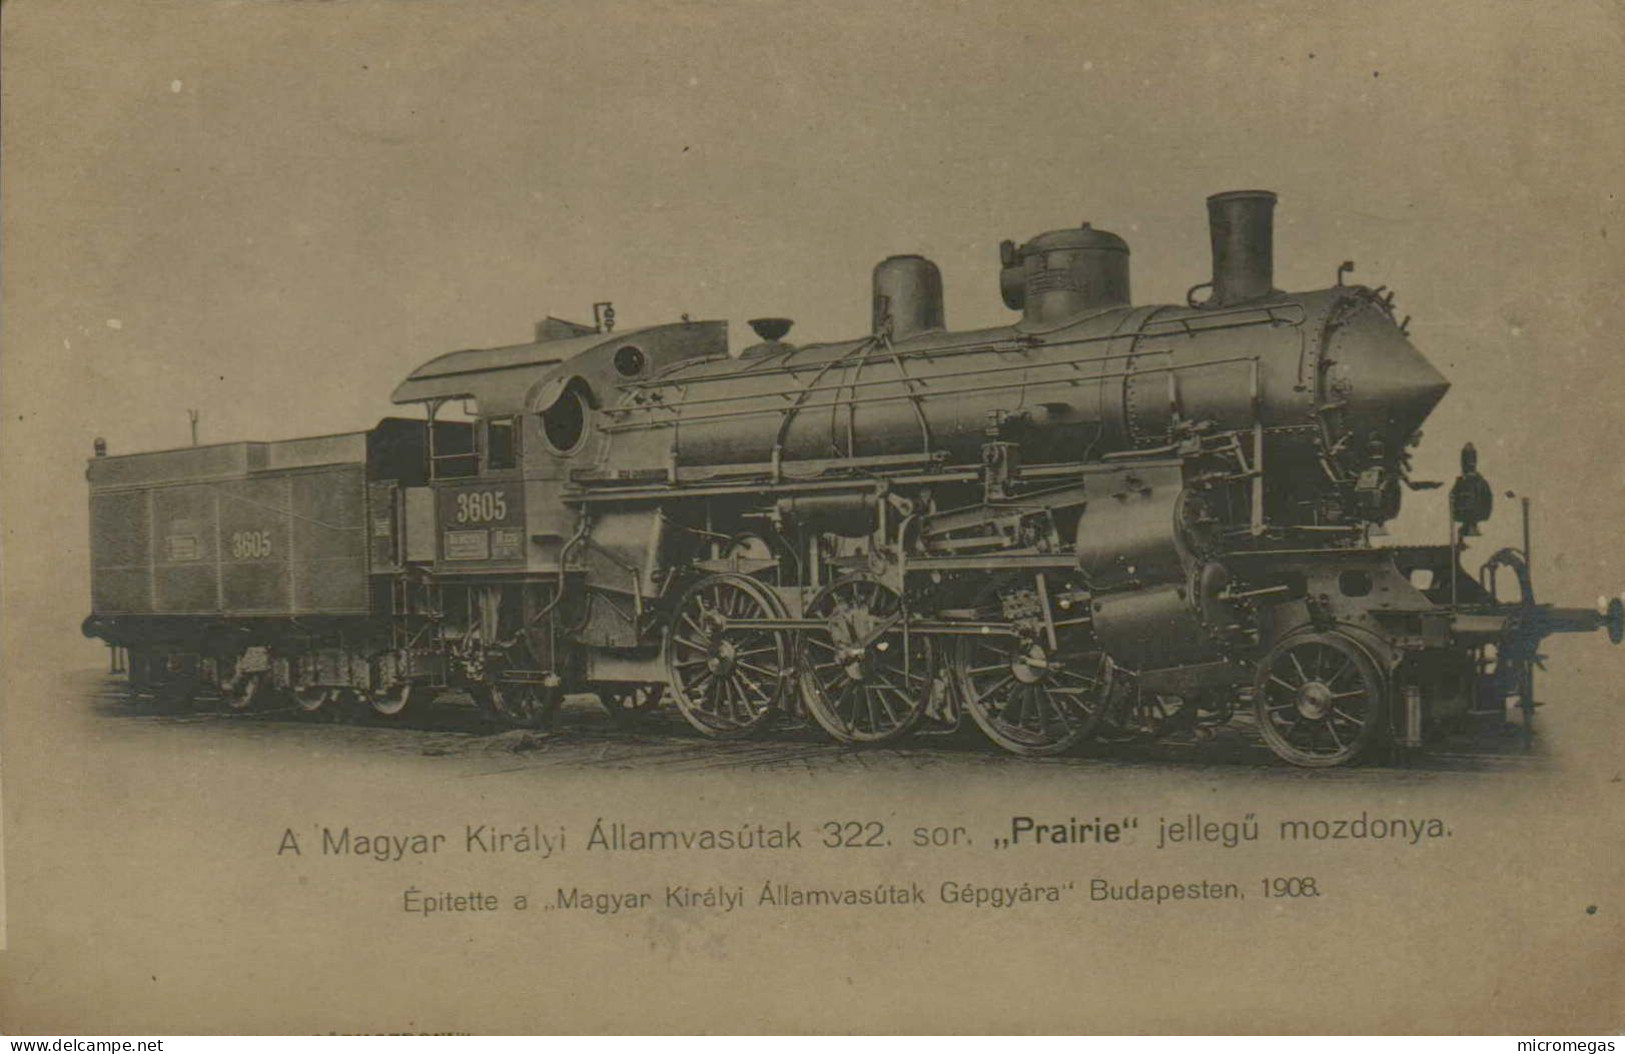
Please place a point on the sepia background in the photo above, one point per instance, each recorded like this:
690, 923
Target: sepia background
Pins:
271, 212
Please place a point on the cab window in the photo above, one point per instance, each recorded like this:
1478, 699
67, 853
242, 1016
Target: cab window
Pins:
501, 444
452, 454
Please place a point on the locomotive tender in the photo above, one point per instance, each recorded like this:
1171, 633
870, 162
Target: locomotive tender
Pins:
1101, 521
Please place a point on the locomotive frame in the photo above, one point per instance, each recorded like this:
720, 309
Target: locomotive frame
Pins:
1104, 521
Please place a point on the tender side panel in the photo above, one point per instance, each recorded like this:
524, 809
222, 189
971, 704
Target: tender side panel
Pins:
255, 545
271, 544
329, 527
185, 537
120, 553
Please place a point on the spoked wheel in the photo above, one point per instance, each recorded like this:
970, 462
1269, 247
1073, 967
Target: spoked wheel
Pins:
729, 680
1320, 699
1026, 699
518, 704
624, 701
863, 678
399, 698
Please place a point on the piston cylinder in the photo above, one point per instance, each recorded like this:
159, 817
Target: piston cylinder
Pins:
1151, 629
1131, 530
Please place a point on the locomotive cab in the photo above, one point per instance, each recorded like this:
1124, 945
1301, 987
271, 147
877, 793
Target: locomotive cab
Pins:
536, 408
512, 567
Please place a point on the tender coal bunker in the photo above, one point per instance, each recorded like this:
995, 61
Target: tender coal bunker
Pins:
565, 421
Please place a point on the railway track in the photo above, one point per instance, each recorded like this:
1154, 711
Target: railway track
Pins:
584, 734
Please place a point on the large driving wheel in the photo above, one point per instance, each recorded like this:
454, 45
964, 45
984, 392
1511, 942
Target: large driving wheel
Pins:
1042, 688
864, 679
1027, 699
1320, 699
728, 680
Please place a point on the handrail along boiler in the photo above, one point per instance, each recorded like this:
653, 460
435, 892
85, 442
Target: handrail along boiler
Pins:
1101, 521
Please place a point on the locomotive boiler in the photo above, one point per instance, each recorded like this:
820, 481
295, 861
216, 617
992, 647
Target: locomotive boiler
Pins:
1104, 520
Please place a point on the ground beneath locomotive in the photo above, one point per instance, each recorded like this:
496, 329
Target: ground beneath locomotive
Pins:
584, 737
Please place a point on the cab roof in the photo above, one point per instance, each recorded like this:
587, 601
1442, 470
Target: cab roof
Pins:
493, 377
500, 379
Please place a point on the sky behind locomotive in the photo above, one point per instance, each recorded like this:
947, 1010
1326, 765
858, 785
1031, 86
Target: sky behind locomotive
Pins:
272, 219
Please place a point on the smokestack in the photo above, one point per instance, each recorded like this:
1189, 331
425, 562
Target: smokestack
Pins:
907, 296
1242, 226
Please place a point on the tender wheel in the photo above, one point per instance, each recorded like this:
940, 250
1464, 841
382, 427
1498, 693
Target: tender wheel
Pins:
862, 678
316, 699
729, 681
164, 683
244, 692
1320, 700
139, 673
520, 705
400, 698
179, 693
626, 701
348, 704
1027, 700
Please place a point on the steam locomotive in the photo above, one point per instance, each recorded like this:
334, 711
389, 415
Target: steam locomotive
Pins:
1101, 521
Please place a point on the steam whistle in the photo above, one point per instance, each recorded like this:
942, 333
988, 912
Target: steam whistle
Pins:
1471, 499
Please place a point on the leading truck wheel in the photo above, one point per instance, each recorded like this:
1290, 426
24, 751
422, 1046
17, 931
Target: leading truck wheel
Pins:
729, 680
862, 677
1320, 700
